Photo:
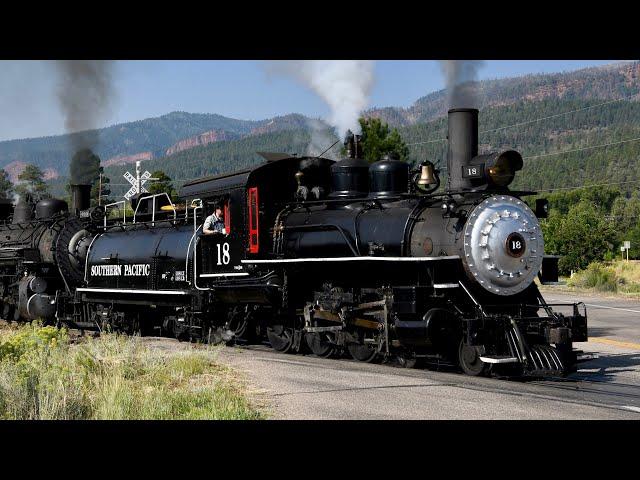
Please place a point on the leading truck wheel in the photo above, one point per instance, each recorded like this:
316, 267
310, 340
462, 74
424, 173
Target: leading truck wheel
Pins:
469, 360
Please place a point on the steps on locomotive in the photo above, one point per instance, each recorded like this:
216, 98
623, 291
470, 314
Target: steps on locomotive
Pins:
499, 359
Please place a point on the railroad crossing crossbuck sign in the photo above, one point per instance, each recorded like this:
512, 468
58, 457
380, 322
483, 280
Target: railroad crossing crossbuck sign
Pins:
134, 184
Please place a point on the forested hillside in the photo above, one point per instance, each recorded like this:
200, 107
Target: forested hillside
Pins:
152, 135
513, 126
614, 81
592, 125
208, 160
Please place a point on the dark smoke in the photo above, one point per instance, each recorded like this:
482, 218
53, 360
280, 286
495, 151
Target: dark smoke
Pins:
84, 167
85, 94
460, 76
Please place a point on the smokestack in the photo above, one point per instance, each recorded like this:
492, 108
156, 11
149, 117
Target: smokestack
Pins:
463, 145
23, 211
353, 144
80, 198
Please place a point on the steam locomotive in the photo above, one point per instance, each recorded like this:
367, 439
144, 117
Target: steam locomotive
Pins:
335, 258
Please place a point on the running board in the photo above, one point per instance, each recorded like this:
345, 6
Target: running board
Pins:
500, 359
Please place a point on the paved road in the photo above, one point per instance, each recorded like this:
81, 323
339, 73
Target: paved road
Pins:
306, 387
617, 319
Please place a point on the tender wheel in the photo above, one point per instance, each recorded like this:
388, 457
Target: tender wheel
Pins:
469, 360
321, 344
281, 338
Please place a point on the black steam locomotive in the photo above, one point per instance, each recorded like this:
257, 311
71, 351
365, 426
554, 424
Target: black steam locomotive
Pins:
338, 258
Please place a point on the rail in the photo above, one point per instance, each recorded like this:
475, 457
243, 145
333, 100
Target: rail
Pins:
124, 212
153, 209
196, 204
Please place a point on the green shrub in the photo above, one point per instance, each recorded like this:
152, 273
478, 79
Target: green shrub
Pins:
44, 376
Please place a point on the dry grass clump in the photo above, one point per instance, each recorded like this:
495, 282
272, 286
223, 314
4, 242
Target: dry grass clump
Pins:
597, 277
620, 277
44, 376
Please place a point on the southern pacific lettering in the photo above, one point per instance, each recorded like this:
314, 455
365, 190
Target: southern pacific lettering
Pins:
136, 270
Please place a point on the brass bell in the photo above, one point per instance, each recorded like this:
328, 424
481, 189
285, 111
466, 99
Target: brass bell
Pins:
427, 176
299, 175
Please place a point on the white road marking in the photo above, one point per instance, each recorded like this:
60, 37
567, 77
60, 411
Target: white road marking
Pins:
558, 300
633, 409
612, 308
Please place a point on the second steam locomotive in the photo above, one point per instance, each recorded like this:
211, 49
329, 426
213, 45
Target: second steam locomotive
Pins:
347, 257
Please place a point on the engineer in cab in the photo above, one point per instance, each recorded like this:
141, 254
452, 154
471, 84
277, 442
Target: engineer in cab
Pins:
214, 223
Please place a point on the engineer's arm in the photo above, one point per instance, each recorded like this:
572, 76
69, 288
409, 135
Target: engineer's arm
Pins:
206, 228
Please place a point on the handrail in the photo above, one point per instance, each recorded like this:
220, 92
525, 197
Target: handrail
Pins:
124, 211
196, 204
153, 210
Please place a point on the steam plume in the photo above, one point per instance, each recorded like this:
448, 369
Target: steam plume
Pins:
460, 76
321, 138
85, 94
344, 85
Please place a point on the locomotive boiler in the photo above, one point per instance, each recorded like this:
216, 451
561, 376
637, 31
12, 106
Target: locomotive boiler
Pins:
370, 260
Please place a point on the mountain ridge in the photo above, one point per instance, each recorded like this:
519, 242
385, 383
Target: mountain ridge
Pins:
159, 141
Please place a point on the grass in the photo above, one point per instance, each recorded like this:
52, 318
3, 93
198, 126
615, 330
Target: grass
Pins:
43, 375
619, 277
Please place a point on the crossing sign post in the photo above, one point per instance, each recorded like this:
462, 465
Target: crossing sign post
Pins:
137, 182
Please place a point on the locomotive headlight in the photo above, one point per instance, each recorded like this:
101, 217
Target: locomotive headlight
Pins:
504, 168
499, 168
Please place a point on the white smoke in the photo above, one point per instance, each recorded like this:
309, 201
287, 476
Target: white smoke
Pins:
321, 139
344, 85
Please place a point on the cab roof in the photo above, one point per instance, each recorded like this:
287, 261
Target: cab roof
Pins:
228, 181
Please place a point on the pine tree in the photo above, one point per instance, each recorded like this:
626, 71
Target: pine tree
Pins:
31, 182
378, 139
163, 184
6, 187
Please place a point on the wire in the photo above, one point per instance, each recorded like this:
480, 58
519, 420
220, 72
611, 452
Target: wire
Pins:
536, 119
559, 114
428, 141
584, 148
318, 156
583, 186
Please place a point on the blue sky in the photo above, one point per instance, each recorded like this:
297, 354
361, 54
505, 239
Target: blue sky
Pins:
239, 89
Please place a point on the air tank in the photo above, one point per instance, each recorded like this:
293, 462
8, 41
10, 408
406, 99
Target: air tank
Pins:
388, 177
350, 177
49, 207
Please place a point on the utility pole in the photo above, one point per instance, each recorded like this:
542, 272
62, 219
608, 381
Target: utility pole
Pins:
100, 190
138, 184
